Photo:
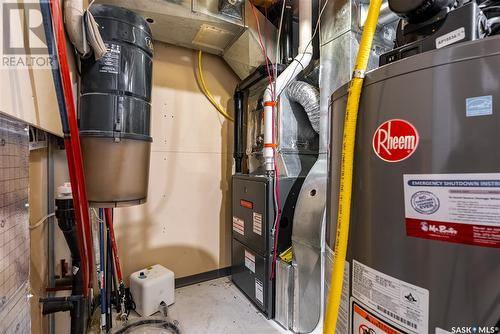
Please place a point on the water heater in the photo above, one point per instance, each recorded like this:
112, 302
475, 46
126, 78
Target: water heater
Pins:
424, 243
115, 107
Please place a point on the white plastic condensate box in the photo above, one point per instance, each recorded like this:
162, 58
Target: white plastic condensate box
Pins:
151, 286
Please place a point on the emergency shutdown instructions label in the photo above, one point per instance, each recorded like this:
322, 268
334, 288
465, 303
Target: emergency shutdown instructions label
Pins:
459, 208
404, 304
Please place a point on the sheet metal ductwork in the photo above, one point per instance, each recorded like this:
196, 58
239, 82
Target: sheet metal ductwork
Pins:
214, 27
115, 106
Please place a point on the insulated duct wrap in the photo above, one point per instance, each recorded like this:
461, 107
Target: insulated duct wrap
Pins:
308, 97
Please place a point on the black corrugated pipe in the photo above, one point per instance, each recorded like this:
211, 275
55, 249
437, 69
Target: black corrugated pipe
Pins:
238, 129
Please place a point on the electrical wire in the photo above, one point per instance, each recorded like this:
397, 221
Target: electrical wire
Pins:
41, 221
264, 51
272, 83
201, 82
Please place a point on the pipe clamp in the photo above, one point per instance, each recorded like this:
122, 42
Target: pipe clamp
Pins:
358, 74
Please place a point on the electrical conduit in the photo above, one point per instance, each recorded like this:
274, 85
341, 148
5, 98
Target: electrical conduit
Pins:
347, 165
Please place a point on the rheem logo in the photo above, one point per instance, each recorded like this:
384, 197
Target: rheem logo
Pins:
395, 140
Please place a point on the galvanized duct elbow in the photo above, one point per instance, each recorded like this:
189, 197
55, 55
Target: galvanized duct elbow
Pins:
308, 97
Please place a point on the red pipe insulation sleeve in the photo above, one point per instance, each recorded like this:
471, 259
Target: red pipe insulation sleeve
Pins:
78, 179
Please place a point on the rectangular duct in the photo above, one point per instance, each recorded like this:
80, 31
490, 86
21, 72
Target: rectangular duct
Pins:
209, 26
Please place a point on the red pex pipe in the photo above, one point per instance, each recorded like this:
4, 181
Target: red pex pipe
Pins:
109, 223
74, 139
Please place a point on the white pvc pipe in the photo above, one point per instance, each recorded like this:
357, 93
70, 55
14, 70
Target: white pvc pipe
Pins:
305, 26
288, 75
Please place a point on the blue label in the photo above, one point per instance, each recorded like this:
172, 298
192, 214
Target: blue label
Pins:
479, 106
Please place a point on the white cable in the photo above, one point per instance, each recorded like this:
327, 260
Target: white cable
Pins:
94, 211
41, 221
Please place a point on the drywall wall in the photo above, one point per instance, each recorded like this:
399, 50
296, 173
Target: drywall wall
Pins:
27, 93
38, 237
185, 224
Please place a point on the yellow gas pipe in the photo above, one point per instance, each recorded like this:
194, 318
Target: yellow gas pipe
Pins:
347, 164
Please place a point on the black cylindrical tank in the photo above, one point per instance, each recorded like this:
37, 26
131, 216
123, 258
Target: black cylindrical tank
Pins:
115, 107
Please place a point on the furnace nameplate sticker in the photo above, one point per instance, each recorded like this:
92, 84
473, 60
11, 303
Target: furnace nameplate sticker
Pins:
238, 225
259, 291
257, 223
403, 303
250, 261
364, 321
459, 208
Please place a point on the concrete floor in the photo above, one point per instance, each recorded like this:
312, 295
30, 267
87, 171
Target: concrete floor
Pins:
218, 307
212, 307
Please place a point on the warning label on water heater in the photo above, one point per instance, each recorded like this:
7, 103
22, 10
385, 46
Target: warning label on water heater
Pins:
459, 208
365, 322
405, 304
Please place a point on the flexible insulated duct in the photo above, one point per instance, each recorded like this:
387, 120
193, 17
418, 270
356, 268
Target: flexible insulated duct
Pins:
308, 97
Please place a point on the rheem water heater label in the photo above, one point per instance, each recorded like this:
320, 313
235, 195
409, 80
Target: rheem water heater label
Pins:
459, 208
404, 304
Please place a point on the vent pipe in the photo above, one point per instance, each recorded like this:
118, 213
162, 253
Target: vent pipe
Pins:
300, 62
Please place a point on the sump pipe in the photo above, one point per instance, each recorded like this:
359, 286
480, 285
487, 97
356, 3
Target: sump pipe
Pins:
347, 166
